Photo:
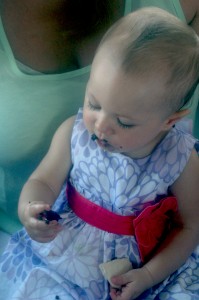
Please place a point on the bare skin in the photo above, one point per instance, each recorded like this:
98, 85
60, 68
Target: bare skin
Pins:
191, 11
46, 37
51, 42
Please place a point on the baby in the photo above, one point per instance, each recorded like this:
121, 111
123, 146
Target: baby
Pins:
124, 168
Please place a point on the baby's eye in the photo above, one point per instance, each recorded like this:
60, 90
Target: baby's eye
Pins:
93, 106
124, 125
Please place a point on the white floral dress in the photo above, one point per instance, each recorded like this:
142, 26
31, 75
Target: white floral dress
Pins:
68, 267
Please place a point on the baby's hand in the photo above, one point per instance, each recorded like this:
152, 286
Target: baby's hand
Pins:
133, 283
39, 229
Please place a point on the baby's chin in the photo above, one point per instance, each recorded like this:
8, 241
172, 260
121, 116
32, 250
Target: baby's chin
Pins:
108, 147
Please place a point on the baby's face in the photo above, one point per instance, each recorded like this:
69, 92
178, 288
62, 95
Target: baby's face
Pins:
122, 110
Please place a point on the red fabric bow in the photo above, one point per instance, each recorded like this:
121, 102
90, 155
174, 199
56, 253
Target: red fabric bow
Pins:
153, 223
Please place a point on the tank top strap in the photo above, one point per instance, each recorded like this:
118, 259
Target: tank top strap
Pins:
128, 7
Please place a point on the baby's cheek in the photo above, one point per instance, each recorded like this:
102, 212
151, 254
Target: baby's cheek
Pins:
88, 120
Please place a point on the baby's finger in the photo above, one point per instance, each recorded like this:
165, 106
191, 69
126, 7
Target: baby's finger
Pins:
115, 294
36, 208
43, 226
43, 232
124, 294
120, 280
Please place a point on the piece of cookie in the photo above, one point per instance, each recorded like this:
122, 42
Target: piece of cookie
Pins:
115, 267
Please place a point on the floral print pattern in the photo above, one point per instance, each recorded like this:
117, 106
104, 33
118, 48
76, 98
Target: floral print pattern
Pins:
68, 267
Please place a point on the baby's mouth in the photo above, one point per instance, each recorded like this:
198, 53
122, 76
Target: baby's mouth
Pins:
104, 144
101, 142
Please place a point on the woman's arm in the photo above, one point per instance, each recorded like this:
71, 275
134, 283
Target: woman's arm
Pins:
176, 249
191, 11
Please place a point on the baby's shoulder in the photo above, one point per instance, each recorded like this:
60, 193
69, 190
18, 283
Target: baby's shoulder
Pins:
64, 131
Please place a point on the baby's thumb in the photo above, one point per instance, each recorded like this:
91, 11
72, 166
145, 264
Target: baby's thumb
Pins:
121, 279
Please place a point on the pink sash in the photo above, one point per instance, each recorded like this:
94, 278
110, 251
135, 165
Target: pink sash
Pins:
149, 228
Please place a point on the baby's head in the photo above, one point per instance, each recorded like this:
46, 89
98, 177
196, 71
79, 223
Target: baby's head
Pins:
153, 43
145, 70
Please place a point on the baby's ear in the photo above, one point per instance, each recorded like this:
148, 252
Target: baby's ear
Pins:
171, 120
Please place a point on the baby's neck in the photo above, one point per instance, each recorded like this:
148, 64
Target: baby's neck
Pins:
146, 151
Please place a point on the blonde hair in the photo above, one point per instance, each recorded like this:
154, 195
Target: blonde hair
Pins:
152, 40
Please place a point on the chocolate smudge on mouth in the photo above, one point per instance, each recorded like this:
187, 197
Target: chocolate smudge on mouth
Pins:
94, 137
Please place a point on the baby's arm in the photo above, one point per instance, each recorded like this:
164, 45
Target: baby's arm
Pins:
174, 252
44, 185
